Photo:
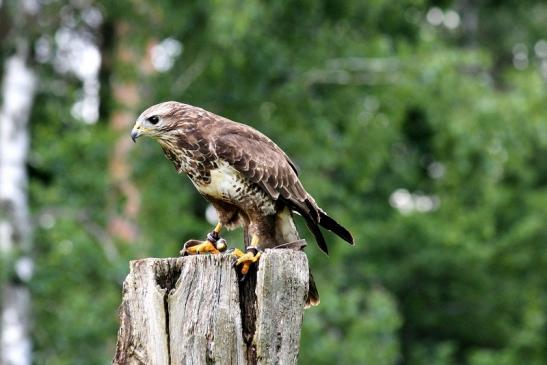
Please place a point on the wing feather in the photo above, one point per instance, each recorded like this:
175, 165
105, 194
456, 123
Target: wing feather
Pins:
262, 162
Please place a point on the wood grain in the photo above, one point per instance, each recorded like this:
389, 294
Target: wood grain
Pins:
189, 310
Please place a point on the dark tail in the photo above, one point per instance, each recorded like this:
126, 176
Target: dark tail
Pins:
314, 228
313, 294
328, 223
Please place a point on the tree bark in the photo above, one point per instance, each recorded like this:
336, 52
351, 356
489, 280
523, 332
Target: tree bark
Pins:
189, 310
132, 65
18, 90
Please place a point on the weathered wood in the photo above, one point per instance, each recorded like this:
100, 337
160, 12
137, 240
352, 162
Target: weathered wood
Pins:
193, 310
281, 293
204, 314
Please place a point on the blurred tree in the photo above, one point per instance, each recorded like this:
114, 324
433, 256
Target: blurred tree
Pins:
124, 83
18, 89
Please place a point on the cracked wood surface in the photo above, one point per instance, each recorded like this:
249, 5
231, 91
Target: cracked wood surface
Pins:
188, 310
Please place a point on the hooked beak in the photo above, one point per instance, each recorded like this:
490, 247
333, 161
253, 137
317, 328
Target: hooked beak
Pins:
136, 132
134, 135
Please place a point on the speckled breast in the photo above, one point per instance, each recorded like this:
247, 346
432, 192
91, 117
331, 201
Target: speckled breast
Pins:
228, 184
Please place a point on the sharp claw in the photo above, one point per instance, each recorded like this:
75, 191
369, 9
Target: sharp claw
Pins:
237, 253
246, 260
214, 244
190, 243
245, 268
203, 247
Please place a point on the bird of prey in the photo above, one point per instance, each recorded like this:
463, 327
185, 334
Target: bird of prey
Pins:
247, 178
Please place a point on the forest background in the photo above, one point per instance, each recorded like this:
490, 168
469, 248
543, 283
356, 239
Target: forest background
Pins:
419, 124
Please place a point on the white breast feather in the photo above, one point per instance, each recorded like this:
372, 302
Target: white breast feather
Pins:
224, 183
229, 185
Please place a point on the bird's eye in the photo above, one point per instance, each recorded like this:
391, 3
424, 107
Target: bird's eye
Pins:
153, 119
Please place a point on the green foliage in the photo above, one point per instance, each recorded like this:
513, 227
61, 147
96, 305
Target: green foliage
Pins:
368, 98
356, 329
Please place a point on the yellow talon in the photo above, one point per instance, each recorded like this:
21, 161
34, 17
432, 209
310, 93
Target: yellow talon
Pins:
214, 244
248, 258
204, 247
237, 253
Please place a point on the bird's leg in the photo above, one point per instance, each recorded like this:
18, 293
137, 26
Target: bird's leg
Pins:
214, 243
251, 255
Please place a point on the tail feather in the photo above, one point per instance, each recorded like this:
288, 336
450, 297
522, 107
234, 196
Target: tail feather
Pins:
314, 218
313, 294
328, 223
314, 228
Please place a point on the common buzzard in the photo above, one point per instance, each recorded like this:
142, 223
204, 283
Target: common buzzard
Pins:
249, 180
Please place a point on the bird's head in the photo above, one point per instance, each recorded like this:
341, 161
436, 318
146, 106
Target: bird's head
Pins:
160, 121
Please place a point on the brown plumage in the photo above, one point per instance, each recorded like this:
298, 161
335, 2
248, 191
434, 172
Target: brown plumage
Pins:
249, 180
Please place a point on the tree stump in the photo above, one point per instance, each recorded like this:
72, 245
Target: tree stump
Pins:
196, 310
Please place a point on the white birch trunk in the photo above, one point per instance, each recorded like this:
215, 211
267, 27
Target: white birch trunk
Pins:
18, 89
